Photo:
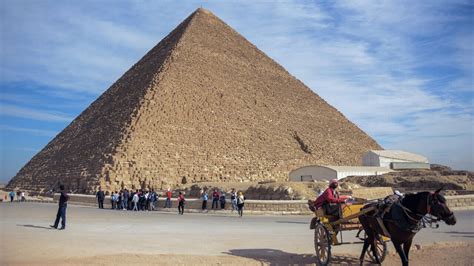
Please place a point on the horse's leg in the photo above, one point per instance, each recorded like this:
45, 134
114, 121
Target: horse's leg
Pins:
368, 233
364, 250
406, 247
373, 247
401, 253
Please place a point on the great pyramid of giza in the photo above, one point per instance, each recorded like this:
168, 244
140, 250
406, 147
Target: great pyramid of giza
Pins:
205, 104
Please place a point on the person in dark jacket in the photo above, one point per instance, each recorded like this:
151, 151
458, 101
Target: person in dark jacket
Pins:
215, 198
63, 199
222, 200
100, 198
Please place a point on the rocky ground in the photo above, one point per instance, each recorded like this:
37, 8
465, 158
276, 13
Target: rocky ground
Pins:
455, 182
267, 190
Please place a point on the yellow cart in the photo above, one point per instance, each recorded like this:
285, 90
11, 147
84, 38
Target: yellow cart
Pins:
326, 232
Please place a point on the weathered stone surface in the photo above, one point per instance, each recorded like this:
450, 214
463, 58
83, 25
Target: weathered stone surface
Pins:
205, 104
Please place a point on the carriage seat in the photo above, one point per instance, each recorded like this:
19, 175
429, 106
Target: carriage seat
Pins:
318, 212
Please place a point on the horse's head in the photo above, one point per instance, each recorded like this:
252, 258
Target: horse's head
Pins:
440, 209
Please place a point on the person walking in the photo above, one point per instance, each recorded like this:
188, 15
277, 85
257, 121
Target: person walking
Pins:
12, 195
215, 198
125, 200
147, 200
153, 199
168, 198
112, 200
204, 197
23, 199
181, 201
240, 203
118, 199
135, 200
100, 198
233, 199
142, 200
63, 199
130, 199
222, 200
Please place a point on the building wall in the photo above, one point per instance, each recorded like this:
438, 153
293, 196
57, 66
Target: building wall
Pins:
370, 159
410, 165
309, 173
312, 173
385, 162
359, 173
373, 159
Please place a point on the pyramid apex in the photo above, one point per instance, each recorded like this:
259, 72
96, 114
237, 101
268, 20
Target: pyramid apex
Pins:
202, 10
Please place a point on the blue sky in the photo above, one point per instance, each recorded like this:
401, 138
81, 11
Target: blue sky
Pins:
400, 70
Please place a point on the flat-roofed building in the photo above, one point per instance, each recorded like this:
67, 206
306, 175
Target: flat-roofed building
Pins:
328, 172
395, 159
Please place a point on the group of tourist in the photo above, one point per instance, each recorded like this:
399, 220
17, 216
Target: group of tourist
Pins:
20, 196
138, 200
237, 200
144, 200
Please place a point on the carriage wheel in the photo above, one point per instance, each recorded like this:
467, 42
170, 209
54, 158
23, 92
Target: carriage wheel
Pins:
322, 244
380, 249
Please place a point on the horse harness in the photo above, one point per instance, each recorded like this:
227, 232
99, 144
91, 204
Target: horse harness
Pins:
400, 215
408, 220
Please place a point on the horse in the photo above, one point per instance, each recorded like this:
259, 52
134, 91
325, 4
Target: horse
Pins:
402, 221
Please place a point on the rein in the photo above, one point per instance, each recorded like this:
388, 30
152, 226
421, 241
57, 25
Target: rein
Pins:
407, 213
418, 217
428, 218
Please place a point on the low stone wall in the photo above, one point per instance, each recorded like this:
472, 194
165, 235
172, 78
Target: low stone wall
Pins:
461, 202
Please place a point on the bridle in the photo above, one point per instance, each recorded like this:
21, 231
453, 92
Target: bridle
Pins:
428, 217
439, 218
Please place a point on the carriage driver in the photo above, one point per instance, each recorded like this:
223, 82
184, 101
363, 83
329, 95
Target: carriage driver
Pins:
330, 200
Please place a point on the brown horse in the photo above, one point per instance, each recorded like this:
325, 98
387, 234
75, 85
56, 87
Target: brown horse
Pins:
403, 221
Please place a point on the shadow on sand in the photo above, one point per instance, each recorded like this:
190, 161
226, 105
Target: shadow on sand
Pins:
278, 257
34, 226
291, 222
459, 234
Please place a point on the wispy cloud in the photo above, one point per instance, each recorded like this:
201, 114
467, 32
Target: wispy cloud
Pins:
33, 114
391, 68
402, 71
33, 131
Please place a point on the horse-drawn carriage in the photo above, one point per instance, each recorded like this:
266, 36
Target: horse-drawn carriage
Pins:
396, 216
327, 229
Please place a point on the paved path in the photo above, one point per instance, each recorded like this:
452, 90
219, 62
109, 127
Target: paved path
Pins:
93, 232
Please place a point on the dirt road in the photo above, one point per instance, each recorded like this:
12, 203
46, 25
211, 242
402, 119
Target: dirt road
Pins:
103, 237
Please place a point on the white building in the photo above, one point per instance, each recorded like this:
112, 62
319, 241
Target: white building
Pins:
395, 159
319, 172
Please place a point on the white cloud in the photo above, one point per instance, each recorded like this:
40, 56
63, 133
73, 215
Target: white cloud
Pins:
34, 114
372, 60
33, 131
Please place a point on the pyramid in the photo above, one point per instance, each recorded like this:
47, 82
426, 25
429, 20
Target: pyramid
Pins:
204, 104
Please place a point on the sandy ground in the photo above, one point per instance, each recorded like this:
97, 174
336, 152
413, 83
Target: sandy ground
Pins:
440, 254
107, 237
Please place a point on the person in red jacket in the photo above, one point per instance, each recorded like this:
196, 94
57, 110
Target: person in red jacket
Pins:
330, 200
168, 198
181, 201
